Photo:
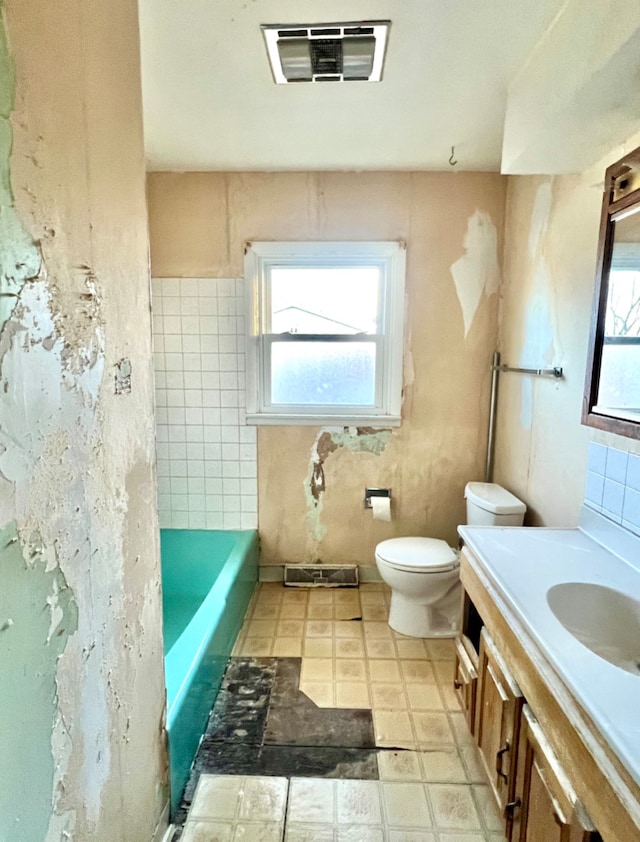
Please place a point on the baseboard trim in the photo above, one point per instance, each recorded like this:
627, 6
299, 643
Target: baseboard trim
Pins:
271, 573
369, 573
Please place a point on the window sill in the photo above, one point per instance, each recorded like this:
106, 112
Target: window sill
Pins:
378, 421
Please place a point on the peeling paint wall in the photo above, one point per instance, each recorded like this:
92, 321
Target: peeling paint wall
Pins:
81, 673
551, 236
311, 481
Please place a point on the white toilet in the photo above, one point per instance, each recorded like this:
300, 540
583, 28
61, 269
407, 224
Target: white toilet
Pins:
423, 573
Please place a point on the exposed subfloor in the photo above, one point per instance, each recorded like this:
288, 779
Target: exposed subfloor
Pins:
331, 726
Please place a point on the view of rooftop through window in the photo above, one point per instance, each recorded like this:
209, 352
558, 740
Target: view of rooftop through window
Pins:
325, 300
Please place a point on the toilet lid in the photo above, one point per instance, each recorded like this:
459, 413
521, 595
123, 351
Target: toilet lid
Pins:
430, 554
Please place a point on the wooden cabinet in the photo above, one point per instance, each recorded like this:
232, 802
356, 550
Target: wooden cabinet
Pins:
465, 679
498, 708
554, 777
544, 806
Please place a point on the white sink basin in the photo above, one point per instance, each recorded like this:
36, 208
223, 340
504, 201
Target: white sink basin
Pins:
604, 620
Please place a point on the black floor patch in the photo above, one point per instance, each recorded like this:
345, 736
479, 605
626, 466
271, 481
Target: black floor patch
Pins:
294, 720
262, 724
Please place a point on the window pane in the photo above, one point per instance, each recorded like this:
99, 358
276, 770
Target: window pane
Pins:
623, 303
619, 385
620, 377
331, 299
333, 373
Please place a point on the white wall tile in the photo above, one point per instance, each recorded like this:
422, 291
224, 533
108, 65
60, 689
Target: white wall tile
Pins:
197, 502
232, 520
193, 380
189, 286
196, 468
170, 306
189, 305
631, 510
196, 485
616, 467
248, 520
191, 343
230, 434
179, 485
231, 485
179, 503
206, 454
214, 503
171, 325
177, 450
177, 432
613, 483
178, 467
194, 416
597, 457
249, 487
174, 379
172, 343
633, 472
195, 432
179, 520
170, 286
613, 499
212, 452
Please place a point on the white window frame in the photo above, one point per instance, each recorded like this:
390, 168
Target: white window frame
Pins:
390, 256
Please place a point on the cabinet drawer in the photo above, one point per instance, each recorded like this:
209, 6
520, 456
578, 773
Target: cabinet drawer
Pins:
465, 681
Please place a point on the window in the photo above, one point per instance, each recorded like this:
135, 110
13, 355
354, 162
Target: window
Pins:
619, 386
324, 341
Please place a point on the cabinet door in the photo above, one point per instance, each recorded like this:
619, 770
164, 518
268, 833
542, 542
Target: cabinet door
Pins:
499, 704
545, 807
465, 680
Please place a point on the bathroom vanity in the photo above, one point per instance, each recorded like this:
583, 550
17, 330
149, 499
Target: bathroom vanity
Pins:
548, 674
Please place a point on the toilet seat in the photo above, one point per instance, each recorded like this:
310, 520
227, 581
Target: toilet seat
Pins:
418, 555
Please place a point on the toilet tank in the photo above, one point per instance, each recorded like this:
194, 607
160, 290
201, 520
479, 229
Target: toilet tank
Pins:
489, 504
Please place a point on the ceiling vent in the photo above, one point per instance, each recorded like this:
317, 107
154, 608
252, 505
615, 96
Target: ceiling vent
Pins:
328, 52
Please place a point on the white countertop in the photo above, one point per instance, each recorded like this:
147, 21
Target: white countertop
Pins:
522, 564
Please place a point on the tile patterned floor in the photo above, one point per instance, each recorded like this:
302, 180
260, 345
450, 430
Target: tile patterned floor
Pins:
299, 763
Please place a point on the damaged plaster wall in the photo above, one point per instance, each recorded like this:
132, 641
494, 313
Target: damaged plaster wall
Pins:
477, 273
311, 481
81, 666
327, 441
551, 237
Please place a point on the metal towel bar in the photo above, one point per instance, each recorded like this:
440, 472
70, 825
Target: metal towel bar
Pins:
496, 367
556, 371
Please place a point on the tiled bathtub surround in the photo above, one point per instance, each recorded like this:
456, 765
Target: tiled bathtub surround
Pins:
206, 454
613, 485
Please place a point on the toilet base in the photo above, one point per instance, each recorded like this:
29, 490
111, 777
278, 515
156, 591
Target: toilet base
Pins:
413, 619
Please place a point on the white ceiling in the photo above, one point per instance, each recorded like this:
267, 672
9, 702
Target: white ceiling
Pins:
210, 102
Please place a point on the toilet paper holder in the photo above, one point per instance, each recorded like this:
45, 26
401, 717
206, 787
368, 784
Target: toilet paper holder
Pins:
375, 492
